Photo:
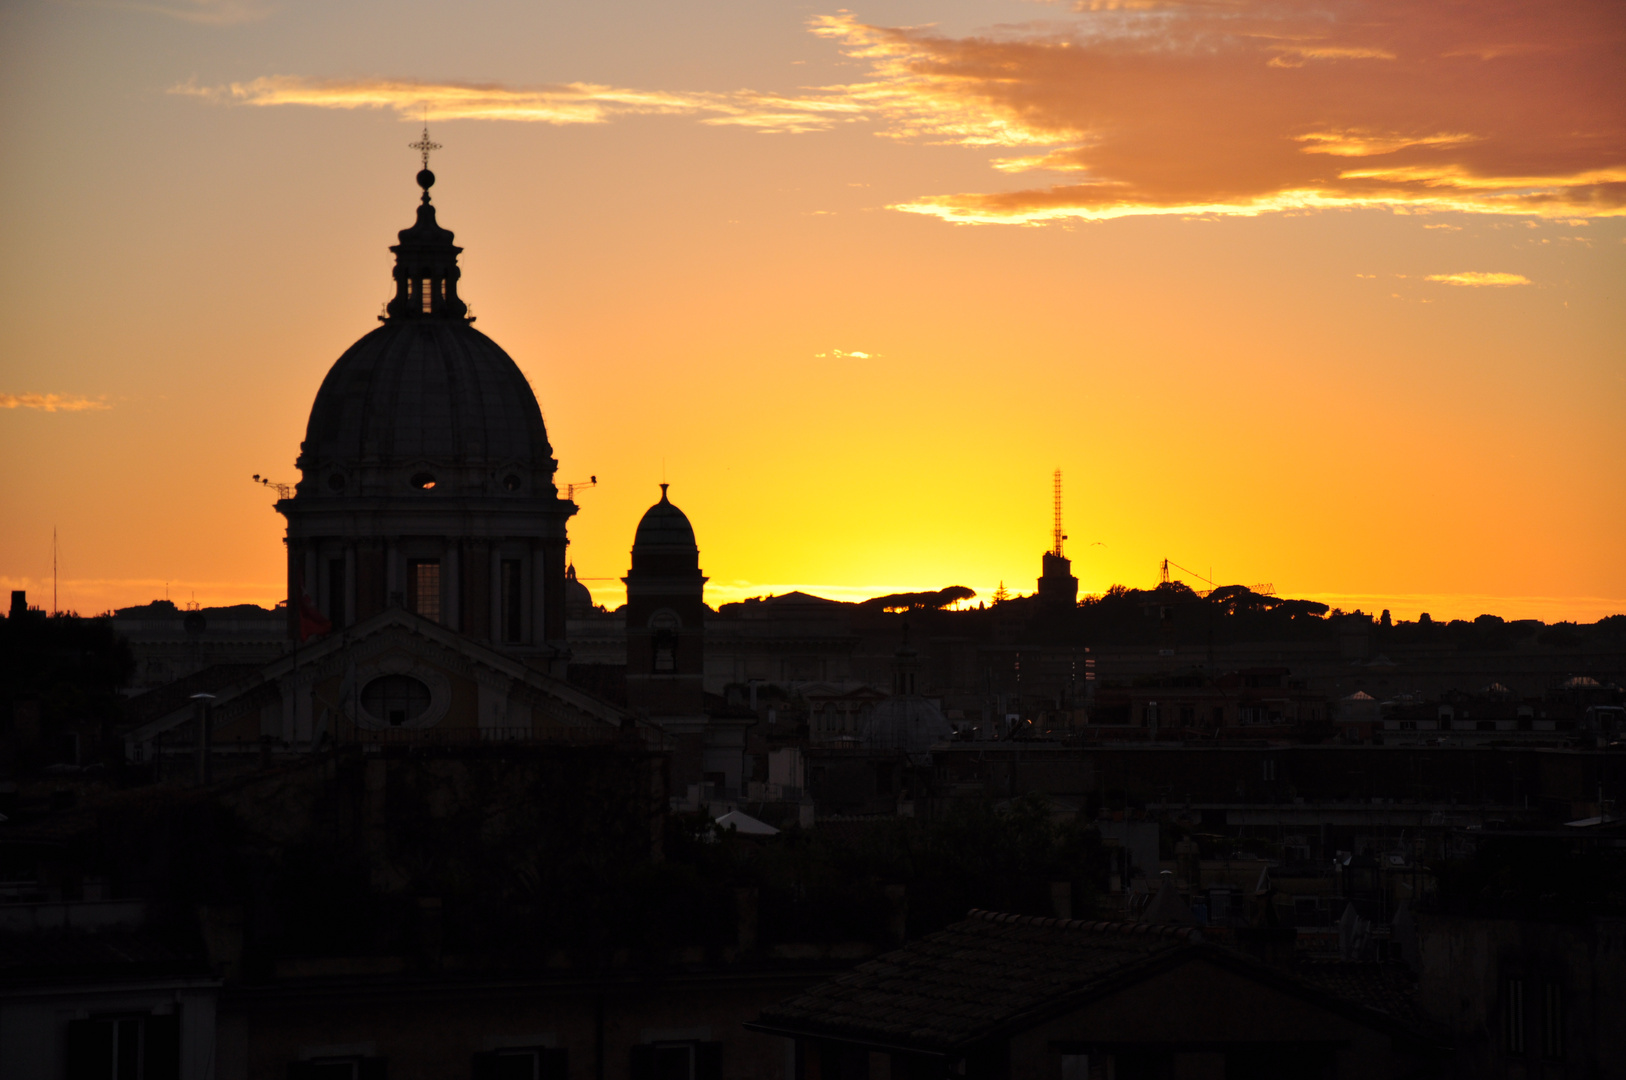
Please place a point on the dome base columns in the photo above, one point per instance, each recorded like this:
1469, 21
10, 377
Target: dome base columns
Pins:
509, 592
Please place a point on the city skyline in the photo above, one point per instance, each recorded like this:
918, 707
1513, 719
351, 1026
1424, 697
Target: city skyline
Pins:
1346, 324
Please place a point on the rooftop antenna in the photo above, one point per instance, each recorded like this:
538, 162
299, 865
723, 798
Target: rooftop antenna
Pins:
53, 569
580, 485
1057, 536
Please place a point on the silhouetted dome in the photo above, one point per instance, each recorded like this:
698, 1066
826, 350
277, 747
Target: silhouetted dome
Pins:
578, 601
426, 401
417, 394
908, 723
664, 527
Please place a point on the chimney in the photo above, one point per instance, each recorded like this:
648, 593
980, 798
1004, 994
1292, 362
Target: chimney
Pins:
19, 602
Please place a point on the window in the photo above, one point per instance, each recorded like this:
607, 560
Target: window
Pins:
1513, 1015
1077, 1067
1269, 768
678, 1061
423, 588
335, 593
513, 611
1552, 1021
522, 1063
426, 288
395, 699
125, 1048
664, 642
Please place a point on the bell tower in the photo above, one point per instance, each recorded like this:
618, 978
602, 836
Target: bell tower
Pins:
666, 617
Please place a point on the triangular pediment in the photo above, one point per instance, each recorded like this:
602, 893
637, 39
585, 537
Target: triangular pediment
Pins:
399, 678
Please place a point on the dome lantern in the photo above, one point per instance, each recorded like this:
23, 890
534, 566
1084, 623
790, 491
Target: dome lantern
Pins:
426, 269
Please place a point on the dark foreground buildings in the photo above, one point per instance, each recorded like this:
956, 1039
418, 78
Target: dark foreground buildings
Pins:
442, 816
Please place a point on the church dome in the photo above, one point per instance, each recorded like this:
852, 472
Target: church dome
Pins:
664, 528
910, 724
578, 600
426, 401
417, 394
664, 543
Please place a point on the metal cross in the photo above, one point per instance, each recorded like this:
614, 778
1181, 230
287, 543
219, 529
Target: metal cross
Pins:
423, 146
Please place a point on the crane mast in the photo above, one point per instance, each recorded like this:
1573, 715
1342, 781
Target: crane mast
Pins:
1056, 534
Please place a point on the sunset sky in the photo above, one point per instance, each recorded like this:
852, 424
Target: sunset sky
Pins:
1321, 294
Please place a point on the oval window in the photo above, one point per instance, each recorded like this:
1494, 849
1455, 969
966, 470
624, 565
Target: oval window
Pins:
423, 481
395, 699
336, 482
511, 482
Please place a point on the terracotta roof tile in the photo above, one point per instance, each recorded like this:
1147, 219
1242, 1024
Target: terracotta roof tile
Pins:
954, 986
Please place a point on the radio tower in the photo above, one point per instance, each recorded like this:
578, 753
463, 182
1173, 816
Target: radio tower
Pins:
1056, 534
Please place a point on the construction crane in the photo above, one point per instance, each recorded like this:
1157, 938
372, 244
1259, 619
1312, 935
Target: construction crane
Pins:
1056, 535
580, 485
1164, 567
284, 491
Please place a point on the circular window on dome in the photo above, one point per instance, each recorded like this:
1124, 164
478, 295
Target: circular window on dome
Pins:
395, 699
423, 481
511, 482
336, 482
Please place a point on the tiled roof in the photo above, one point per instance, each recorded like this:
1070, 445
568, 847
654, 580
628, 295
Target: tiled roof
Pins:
1386, 988
955, 986
163, 700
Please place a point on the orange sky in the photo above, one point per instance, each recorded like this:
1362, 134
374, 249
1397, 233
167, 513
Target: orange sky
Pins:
1325, 295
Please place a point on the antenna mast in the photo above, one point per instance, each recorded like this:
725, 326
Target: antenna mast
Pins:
1056, 536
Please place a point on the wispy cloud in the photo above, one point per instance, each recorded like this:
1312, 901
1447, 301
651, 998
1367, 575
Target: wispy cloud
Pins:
560, 103
1235, 108
1296, 55
1479, 278
1367, 143
842, 354
1185, 107
52, 402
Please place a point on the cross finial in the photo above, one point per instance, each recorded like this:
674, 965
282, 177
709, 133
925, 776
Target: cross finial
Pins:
423, 146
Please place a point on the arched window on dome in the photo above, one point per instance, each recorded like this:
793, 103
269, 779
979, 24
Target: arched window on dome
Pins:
427, 290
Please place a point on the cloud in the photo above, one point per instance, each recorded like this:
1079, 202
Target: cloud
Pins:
1184, 107
559, 103
1479, 278
1247, 108
1296, 55
1367, 144
842, 354
52, 403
